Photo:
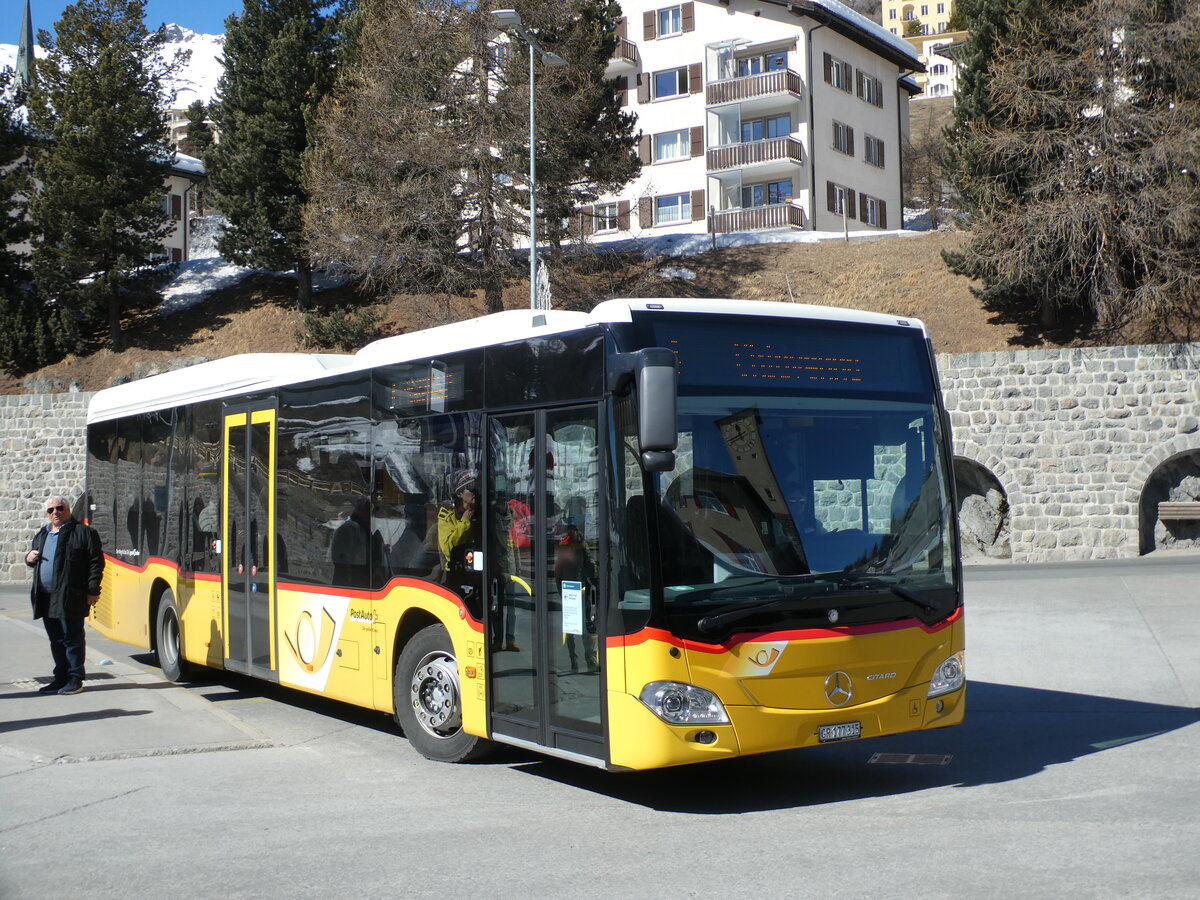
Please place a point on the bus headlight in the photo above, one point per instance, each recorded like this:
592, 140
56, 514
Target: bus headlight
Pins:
683, 704
949, 676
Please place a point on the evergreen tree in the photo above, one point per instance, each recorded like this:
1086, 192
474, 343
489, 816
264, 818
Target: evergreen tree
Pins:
1081, 176
420, 180
198, 139
24, 340
100, 162
279, 63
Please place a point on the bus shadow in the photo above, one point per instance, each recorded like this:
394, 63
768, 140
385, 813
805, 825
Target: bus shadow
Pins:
1010, 733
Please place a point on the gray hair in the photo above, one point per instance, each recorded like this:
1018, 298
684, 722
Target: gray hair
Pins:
61, 499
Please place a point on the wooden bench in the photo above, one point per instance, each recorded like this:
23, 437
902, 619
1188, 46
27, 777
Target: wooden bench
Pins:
1179, 510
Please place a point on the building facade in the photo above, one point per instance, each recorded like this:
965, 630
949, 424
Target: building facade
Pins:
927, 16
940, 78
758, 114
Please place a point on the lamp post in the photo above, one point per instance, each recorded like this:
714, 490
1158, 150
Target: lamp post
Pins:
510, 20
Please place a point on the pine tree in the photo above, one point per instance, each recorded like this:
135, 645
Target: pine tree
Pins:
420, 180
24, 340
279, 63
1080, 171
198, 139
100, 163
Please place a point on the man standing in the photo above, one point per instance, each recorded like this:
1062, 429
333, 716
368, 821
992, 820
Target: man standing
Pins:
67, 565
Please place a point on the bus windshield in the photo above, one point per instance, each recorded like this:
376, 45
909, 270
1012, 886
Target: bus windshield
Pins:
799, 506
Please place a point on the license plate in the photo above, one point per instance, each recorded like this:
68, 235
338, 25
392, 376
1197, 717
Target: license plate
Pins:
846, 731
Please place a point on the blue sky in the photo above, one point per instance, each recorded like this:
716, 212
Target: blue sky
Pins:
205, 16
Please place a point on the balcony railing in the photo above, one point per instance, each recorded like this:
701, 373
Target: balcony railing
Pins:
625, 52
777, 215
737, 156
781, 81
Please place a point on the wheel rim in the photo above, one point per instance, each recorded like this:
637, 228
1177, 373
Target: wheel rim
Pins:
434, 695
170, 637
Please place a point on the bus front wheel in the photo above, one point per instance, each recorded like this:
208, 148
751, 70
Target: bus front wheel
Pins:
167, 640
429, 700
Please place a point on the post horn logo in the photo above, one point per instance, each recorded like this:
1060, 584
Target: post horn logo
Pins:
839, 688
310, 647
765, 657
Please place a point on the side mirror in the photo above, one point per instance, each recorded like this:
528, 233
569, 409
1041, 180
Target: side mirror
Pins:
653, 370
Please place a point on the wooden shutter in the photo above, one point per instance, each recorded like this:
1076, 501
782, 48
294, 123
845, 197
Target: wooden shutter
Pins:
645, 149
587, 219
698, 210
698, 140
858, 82
649, 25
695, 78
882, 214
850, 204
176, 206
862, 211
688, 16
828, 68
622, 86
849, 140
830, 196
646, 212
879, 149
623, 215
643, 87
623, 29
847, 75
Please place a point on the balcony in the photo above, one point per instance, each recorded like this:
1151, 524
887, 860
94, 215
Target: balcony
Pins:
624, 56
758, 218
782, 152
750, 87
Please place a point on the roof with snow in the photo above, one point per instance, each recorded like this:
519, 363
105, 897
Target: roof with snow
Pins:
854, 25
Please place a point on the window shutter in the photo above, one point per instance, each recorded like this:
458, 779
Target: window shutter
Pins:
623, 215
830, 196
849, 140
643, 87
695, 78
646, 212
176, 255
858, 83
882, 214
688, 16
847, 75
644, 149
862, 211
879, 148
649, 26
850, 204
176, 206
698, 140
828, 69
621, 83
623, 28
698, 211
587, 217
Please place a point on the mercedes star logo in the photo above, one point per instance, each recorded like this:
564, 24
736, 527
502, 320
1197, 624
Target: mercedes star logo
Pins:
839, 688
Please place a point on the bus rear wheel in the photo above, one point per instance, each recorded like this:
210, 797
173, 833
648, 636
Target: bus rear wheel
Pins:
428, 699
167, 641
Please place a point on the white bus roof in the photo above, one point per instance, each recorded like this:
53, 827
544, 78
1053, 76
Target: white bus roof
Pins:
250, 372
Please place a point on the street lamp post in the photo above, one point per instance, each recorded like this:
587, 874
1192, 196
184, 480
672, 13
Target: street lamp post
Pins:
510, 21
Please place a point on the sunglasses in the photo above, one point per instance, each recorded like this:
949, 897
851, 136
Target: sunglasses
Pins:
54, 509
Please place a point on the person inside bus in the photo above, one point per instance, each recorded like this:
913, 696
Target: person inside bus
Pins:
355, 549
458, 540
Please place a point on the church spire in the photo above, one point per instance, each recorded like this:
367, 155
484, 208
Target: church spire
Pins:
25, 51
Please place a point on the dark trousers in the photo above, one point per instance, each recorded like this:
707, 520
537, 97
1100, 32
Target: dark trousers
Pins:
67, 646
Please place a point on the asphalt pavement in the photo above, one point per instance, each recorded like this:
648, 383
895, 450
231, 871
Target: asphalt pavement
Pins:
1075, 774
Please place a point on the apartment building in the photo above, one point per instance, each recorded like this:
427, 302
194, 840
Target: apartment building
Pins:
940, 78
930, 16
758, 114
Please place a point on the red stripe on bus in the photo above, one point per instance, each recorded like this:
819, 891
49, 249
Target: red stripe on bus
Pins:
804, 634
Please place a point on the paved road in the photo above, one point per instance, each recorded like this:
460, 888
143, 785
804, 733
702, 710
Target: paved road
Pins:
1075, 775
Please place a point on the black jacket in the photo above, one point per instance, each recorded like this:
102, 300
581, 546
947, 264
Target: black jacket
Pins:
78, 568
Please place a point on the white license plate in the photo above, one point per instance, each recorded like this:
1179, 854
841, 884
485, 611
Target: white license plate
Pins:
846, 731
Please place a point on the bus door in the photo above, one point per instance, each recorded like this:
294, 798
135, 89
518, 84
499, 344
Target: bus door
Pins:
248, 551
543, 580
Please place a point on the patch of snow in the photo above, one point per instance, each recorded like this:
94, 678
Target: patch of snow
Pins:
666, 273
196, 279
677, 245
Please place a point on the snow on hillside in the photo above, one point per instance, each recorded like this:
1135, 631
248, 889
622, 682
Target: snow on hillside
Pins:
197, 78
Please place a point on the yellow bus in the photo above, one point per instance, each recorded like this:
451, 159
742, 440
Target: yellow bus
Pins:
662, 532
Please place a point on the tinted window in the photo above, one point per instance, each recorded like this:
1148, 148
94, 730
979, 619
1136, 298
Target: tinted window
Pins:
546, 370
101, 480
128, 492
156, 482
202, 451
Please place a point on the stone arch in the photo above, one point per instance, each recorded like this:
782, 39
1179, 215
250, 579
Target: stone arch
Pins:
1174, 477
984, 517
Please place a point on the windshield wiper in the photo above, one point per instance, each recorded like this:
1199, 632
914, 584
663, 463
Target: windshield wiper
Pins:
710, 624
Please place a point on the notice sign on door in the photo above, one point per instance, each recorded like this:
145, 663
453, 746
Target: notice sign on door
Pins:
572, 607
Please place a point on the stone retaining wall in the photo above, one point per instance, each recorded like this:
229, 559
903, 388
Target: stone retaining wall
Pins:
42, 451
1068, 440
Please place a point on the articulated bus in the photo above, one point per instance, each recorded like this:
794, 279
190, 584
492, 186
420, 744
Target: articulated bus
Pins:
663, 532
